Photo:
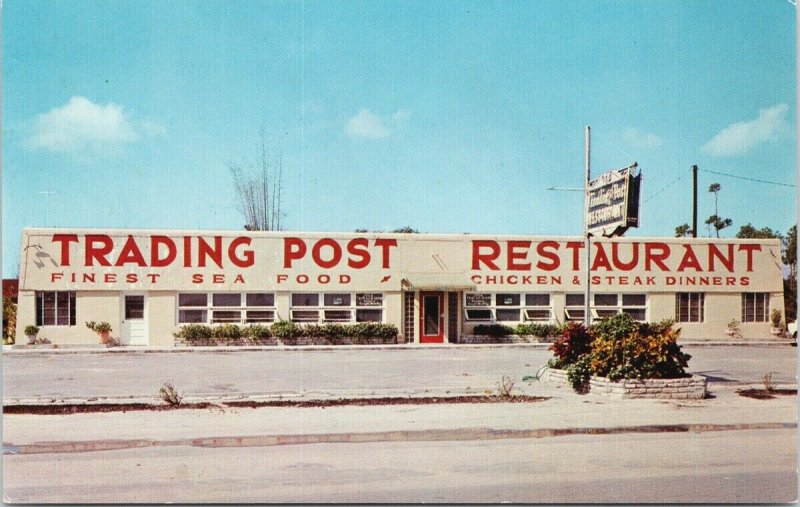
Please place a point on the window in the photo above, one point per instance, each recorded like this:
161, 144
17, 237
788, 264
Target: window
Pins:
339, 307
55, 308
689, 306
226, 308
755, 307
507, 307
606, 306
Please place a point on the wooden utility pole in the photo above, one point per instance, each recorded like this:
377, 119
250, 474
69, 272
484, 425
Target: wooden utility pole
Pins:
587, 317
694, 201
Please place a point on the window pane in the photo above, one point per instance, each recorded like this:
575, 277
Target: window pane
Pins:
62, 308
305, 315
369, 315
634, 300
476, 299
369, 299
49, 309
574, 299
192, 316
575, 314
537, 299
134, 307
431, 312
537, 314
261, 299
192, 299
636, 313
260, 316
478, 314
337, 299
508, 315
227, 299
337, 315
605, 299
225, 316
305, 299
605, 314
72, 308
39, 308
507, 299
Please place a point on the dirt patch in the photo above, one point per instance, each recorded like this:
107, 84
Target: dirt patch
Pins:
131, 407
764, 394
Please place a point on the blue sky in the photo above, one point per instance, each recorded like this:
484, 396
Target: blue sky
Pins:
450, 116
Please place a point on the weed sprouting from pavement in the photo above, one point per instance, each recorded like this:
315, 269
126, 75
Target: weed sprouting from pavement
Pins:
169, 394
505, 386
769, 385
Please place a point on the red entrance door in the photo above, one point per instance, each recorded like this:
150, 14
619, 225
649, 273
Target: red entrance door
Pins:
431, 317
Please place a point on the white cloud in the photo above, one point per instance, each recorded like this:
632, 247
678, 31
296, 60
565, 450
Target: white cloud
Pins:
641, 140
739, 138
82, 124
366, 125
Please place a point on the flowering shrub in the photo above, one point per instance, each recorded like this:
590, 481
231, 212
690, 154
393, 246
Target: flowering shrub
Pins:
575, 340
638, 355
619, 348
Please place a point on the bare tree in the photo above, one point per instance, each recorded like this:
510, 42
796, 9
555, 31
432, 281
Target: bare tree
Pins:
258, 186
716, 221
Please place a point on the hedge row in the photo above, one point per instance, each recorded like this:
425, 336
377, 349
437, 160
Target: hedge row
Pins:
283, 329
540, 330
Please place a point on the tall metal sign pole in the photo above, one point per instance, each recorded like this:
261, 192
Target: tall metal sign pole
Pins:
587, 316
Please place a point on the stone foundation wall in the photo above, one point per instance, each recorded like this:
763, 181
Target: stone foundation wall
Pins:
272, 341
688, 388
480, 338
221, 342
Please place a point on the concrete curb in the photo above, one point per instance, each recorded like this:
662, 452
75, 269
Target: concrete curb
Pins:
429, 435
299, 348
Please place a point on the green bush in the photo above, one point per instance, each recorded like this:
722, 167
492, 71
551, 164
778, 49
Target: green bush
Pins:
31, 330
539, 330
495, 330
227, 332
578, 373
364, 330
286, 329
192, 332
256, 331
641, 356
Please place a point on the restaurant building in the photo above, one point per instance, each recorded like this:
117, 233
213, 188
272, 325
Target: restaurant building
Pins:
434, 287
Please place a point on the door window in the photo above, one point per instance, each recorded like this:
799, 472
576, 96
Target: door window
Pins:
134, 307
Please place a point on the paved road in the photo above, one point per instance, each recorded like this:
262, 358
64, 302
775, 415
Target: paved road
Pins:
310, 372
729, 466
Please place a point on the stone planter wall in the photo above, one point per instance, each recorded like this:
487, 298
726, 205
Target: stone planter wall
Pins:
481, 338
272, 341
221, 342
321, 340
688, 388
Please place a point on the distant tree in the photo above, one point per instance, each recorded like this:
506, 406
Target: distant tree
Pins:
258, 185
406, 230
748, 231
683, 231
715, 221
789, 255
400, 230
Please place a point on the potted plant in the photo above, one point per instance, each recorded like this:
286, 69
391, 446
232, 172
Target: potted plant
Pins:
775, 318
31, 332
103, 330
733, 329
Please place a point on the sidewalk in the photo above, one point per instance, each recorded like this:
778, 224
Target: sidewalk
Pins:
101, 349
563, 413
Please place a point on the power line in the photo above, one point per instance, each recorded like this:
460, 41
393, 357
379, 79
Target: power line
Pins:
667, 186
749, 179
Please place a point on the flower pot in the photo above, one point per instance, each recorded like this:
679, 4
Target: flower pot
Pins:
104, 335
31, 339
776, 331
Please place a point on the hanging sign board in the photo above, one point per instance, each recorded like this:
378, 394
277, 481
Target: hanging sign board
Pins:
613, 202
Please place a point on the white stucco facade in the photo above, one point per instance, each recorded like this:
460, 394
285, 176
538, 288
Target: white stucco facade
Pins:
434, 288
